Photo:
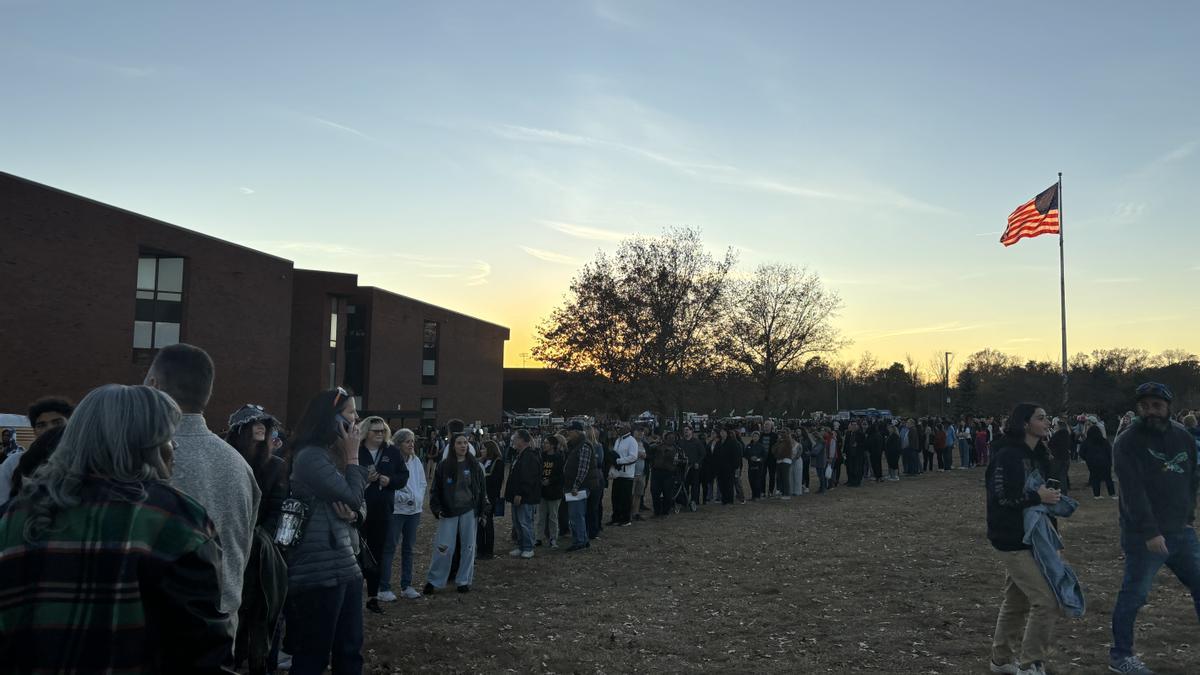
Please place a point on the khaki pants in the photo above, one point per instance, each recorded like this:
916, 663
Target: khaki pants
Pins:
1025, 626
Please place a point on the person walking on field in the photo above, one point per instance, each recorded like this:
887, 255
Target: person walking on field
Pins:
1025, 625
1157, 469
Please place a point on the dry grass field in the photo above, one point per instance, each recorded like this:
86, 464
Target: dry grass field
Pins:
888, 578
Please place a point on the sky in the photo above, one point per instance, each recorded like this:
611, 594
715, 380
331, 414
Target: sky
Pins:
475, 155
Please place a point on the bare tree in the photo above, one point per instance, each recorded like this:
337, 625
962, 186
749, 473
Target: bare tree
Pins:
775, 319
644, 317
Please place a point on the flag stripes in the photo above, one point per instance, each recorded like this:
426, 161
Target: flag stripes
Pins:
1035, 217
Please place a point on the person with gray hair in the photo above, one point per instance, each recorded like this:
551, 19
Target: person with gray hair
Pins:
207, 468
106, 566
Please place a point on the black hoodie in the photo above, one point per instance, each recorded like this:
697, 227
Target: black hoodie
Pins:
1007, 498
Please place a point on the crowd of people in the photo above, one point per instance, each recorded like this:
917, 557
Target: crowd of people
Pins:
135, 539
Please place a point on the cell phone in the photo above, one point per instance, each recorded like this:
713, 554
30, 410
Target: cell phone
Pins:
1052, 483
341, 425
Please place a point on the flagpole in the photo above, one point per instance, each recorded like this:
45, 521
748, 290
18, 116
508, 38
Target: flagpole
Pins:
1062, 288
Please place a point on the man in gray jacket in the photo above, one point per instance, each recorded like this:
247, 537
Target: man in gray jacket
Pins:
207, 468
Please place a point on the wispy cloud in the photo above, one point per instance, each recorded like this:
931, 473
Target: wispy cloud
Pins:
1128, 211
470, 272
949, 327
550, 256
718, 172
340, 127
585, 231
1181, 152
245, 190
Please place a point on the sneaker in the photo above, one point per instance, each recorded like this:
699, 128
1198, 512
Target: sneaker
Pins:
527, 554
410, 593
785, 497
554, 545
1011, 668
515, 553
625, 524
577, 547
1113, 497
538, 542
1129, 664
387, 596
465, 588
373, 606
429, 589
1097, 497
284, 662
1035, 668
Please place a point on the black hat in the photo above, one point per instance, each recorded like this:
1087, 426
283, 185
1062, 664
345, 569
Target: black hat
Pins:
250, 413
1153, 390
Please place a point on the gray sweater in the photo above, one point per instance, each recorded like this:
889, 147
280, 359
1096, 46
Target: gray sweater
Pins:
210, 471
325, 557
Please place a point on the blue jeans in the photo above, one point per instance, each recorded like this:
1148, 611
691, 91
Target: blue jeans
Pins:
577, 517
523, 525
404, 529
964, 452
325, 625
1141, 565
451, 532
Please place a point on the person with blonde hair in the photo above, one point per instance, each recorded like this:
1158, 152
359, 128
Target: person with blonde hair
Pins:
407, 504
383, 464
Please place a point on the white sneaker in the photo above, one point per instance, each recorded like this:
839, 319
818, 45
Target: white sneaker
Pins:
554, 545
1035, 668
1011, 668
284, 662
526, 555
515, 553
386, 596
411, 593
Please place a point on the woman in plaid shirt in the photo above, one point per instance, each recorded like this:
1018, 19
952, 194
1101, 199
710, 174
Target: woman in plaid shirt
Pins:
106, 567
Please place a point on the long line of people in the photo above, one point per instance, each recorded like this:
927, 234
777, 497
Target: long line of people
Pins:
131, 523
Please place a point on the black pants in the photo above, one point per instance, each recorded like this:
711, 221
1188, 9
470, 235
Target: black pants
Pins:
837, 469
1063, 469
563, 518
662, 489
805, 460
374, 534
485, 540
877, 464
928, 465
622, 500
770, 462
725, 484
756, 479
595, 512
854, 469
947, 458
1100, 473
325, 625
940, 459
694, 484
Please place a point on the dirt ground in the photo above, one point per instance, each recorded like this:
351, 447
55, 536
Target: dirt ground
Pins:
888, 578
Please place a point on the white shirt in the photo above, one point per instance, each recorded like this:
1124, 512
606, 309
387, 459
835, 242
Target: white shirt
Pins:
627, 455
413, 491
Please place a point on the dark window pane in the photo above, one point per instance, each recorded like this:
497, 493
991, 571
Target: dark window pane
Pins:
168, 311
143, 310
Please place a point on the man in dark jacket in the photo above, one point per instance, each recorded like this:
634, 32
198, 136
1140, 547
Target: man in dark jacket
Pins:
855, 449
524, 491
581, 477
1155, 459
1061, 447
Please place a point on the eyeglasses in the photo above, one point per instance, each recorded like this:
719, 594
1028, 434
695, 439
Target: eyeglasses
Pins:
341, 395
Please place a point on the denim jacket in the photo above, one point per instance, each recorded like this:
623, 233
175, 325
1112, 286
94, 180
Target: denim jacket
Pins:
1041, 536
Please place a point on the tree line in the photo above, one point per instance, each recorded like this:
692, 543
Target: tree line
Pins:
665, 324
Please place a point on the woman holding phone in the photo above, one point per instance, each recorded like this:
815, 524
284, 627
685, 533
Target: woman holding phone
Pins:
325, 585
1025, 625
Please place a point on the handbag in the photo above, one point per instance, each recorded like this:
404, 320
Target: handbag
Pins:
366, 559
292, 519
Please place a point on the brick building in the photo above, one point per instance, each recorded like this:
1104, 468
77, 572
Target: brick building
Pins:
93, 290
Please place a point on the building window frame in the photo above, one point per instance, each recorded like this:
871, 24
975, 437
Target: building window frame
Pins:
159, 301
430, 337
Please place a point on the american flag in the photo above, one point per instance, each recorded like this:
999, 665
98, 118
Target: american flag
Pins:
1035, 217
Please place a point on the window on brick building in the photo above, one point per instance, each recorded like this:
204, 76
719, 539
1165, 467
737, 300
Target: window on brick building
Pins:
429, 353
158, 312
429, 408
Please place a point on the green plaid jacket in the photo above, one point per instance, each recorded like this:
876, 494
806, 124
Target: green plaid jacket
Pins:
126, 582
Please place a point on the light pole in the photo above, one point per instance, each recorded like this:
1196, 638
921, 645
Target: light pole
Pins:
524, 355
946, 384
